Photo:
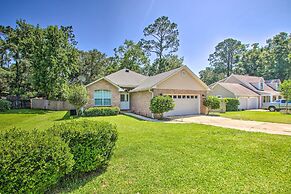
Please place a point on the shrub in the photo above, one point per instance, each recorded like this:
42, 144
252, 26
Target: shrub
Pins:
77, 96
231, 104
32, 161
4, 105
91, 142
211, 102
161, 104
285, 89
101, 111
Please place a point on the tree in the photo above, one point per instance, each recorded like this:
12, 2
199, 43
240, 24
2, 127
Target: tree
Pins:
211, 102
17, 46
5, 77
226, 56
54, 60
285, 89
251, 62
161, 104
131, 56
167, 63
163, 40
208, 76
92, 66
77, 96
279, 49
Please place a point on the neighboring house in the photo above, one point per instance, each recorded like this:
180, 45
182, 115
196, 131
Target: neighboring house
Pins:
251, 91
132, 91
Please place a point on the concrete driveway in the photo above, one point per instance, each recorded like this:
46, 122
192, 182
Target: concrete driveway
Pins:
254, 126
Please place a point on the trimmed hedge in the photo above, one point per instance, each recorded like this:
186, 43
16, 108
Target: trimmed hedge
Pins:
101, 111
231, 104
4, 105
32, 161
90, 142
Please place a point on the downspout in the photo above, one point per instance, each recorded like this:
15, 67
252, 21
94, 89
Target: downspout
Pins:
152, 97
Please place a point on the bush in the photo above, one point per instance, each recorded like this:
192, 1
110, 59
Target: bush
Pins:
101, 111
77, 96
231, 104
31, 162
161, 104
91, 142
211, 102
4, 105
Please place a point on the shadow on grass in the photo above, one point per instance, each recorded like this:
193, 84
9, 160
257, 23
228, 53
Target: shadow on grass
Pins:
67, 116
72, 182
26, 111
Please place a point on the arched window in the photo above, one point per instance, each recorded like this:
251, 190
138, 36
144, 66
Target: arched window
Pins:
102, 97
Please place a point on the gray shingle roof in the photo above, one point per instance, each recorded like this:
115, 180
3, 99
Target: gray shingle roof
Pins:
153, 80
249, 79
238, 89
126, 78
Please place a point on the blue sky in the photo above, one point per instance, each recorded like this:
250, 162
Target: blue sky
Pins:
105, 24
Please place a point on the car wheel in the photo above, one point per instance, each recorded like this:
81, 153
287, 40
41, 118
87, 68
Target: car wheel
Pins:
272, 109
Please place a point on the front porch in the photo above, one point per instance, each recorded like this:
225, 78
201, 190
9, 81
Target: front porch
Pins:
266, 99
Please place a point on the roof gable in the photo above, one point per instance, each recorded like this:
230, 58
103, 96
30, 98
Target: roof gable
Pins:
152, 81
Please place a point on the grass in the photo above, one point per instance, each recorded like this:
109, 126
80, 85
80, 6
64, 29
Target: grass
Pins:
29, 119
273, 117
179, 158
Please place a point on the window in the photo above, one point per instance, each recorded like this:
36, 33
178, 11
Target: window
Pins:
174, 96
123, 97
261, 86
183, 96
219, 96
102, 97
196, 97
283, 101
179, 96
192, 97
266, 98
188, 97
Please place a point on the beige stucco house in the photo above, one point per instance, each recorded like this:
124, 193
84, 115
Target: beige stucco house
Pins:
132, 91
251, 91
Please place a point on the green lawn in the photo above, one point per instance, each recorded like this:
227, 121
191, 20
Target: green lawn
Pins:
274, 117
179, 158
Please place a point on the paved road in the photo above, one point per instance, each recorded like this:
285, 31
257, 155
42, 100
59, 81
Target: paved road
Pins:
255, 126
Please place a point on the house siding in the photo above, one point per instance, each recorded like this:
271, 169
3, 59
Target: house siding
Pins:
140, 103
102, 85
219, 90
181, 80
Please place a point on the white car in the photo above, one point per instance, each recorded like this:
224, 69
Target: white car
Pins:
279, 105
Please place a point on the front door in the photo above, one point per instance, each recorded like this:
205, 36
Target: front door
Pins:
124, 101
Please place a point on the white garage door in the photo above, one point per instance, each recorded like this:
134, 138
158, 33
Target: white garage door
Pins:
248, 103
243, 103
253, 103
184, 105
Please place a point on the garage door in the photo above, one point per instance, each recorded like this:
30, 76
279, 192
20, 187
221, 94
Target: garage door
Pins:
184, 105
248, 103
243, 103
253, 103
